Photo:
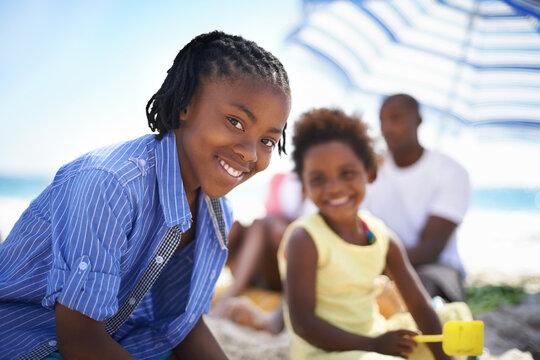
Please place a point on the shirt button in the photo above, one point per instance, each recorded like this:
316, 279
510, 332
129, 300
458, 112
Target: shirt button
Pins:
142, 162
83, 266
132, 301
159, 259
192, 318
212, 274
52, 343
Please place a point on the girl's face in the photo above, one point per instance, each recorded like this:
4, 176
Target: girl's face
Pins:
227, 133
334, 178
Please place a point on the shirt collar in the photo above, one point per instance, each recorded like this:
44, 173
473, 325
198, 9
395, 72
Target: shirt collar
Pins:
172, 195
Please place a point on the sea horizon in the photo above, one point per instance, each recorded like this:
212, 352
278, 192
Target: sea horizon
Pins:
500, 232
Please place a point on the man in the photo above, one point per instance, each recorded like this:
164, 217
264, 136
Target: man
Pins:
422, 195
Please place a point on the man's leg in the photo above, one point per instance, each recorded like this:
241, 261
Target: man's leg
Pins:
442, 280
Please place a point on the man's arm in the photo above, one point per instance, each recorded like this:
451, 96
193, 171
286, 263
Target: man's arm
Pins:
450, 203
433, 239
82, 338
199, 344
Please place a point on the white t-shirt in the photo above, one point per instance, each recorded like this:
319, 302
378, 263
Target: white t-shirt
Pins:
404, 198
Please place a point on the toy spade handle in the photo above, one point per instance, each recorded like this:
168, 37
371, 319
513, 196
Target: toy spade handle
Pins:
428, 338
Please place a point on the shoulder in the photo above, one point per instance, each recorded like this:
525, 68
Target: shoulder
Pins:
299, 245
302, 225
299, 236
450, 173
387, 171
122, 162
445, 162
386, 164
301, 232
312, 224
125, 160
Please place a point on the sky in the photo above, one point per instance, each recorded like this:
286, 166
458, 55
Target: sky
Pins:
76, 75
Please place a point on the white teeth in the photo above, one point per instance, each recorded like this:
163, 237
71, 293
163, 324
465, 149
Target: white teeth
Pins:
230, 170
339, 201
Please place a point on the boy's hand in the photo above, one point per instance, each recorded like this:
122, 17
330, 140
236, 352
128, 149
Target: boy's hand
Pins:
396, 343
80, 337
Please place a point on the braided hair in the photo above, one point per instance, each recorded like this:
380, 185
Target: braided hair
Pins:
211, 55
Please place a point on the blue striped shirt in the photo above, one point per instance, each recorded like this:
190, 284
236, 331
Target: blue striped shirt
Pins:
86, 239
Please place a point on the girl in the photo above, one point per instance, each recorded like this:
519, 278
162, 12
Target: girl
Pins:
329, 260
117, 258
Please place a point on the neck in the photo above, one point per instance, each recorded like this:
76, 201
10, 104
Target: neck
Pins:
192, 198
408, 157
347, 228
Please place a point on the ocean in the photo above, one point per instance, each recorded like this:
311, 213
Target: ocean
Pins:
500, 233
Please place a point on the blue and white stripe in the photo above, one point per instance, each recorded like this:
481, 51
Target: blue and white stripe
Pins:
476, 61
88, 237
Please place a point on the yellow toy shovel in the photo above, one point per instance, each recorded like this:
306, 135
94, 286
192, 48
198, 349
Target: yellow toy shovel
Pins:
459, 338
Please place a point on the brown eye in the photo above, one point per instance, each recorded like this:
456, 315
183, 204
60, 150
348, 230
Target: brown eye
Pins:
317, 180
237, 124
269, 142
348, 174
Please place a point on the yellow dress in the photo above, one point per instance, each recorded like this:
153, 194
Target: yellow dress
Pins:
346, 289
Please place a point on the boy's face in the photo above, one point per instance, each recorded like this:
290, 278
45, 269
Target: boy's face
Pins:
227, 133
334, 178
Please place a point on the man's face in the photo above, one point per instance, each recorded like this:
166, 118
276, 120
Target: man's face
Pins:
399, 125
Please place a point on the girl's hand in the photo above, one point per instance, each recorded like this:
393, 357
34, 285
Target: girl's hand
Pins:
395, 343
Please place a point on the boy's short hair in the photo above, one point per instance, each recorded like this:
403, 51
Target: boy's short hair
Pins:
407, 100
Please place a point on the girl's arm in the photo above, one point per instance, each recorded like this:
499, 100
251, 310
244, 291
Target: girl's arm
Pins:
415, 296
300, 294
199, 344
81, 337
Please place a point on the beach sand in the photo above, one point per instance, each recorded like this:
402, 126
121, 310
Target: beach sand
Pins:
510, 332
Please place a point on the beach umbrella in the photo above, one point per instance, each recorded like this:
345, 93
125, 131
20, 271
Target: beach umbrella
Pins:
476, 62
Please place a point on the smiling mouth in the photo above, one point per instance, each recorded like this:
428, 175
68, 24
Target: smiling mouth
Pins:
339, 201
230, 170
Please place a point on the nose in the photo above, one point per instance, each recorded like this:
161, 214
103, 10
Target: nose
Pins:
333, 186
246, 150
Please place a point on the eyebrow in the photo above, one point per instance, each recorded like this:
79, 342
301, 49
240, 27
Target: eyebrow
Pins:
252, 116
314, 172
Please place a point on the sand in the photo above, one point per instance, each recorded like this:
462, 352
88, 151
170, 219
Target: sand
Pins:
510, 332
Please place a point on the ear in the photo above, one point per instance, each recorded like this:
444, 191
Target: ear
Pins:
184, 113
372, 174
304, 195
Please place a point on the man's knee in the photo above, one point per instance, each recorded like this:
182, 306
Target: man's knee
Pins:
429, 284
441, 280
